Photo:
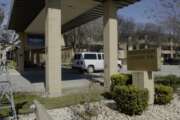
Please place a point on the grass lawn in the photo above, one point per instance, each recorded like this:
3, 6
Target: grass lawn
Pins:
23, 101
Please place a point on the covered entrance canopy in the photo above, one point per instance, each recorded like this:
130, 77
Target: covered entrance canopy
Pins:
53, 17
29, 15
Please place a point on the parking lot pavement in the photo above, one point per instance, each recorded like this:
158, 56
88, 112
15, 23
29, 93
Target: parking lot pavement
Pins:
69, 74
33, 80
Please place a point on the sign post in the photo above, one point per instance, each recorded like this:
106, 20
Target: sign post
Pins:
142, 63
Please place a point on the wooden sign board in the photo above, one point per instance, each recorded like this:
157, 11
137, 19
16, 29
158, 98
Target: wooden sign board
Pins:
144, 60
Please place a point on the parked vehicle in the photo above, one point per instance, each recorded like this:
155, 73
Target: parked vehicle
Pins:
90, 61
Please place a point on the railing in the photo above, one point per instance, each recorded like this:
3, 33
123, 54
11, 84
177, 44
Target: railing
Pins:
6, 92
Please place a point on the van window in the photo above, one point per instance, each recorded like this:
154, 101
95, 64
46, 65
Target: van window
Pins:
77, 56
90, 56
103, 56
99, 56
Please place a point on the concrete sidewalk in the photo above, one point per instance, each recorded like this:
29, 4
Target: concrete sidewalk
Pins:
33, 80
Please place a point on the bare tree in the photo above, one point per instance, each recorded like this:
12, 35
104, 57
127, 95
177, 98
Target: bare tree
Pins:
73, 38
126, 28
84, 34
167, 14
149, 32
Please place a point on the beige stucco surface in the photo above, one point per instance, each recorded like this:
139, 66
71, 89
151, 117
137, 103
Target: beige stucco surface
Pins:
143, 79
53, 51
110, 42
70, 10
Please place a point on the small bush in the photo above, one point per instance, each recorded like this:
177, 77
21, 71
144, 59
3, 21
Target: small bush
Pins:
129, 81
163, 94
12, 64
120, 79
130, 100
169, 80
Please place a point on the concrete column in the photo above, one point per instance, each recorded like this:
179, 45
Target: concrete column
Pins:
32, 57
162, 57
20, 55
110, 42
129, 43
171, 49
144, 80
53, 48
146, 46
130, 47
37, 58
137, 46
27, 56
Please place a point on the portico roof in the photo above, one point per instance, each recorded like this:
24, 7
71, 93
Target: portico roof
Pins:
29, 15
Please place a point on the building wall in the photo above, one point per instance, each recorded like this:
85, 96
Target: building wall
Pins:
67, 55
169, 50
33, 59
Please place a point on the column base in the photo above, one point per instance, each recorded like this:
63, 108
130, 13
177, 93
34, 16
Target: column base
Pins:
55, 91
53, 94
145, 80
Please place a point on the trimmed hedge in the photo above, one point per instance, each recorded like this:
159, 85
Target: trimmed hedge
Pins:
169, 80
130, 100
120, 79
163, 94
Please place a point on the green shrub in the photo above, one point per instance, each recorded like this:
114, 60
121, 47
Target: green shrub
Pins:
163, 94
130, 100
129, 81
169, 80
12, 64
119, 79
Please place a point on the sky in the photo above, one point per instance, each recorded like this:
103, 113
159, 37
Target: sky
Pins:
140, 11
5, 4
137, 11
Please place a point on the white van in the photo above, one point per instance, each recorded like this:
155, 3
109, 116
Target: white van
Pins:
90, 61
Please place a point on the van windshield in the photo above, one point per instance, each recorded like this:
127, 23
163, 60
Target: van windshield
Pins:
77, 56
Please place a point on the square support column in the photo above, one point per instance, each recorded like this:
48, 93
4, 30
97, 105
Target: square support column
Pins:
32, 57
21, 50
144, 79
53, 48
171, 49
38, 58
110, 42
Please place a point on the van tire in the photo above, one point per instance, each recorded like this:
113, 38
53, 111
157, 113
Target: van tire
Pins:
90, 69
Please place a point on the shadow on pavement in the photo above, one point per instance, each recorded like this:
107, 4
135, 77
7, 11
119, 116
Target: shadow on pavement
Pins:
37, 75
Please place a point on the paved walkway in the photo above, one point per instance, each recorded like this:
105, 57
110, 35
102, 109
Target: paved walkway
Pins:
33, 80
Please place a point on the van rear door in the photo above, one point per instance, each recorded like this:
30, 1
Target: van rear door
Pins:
100, 62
